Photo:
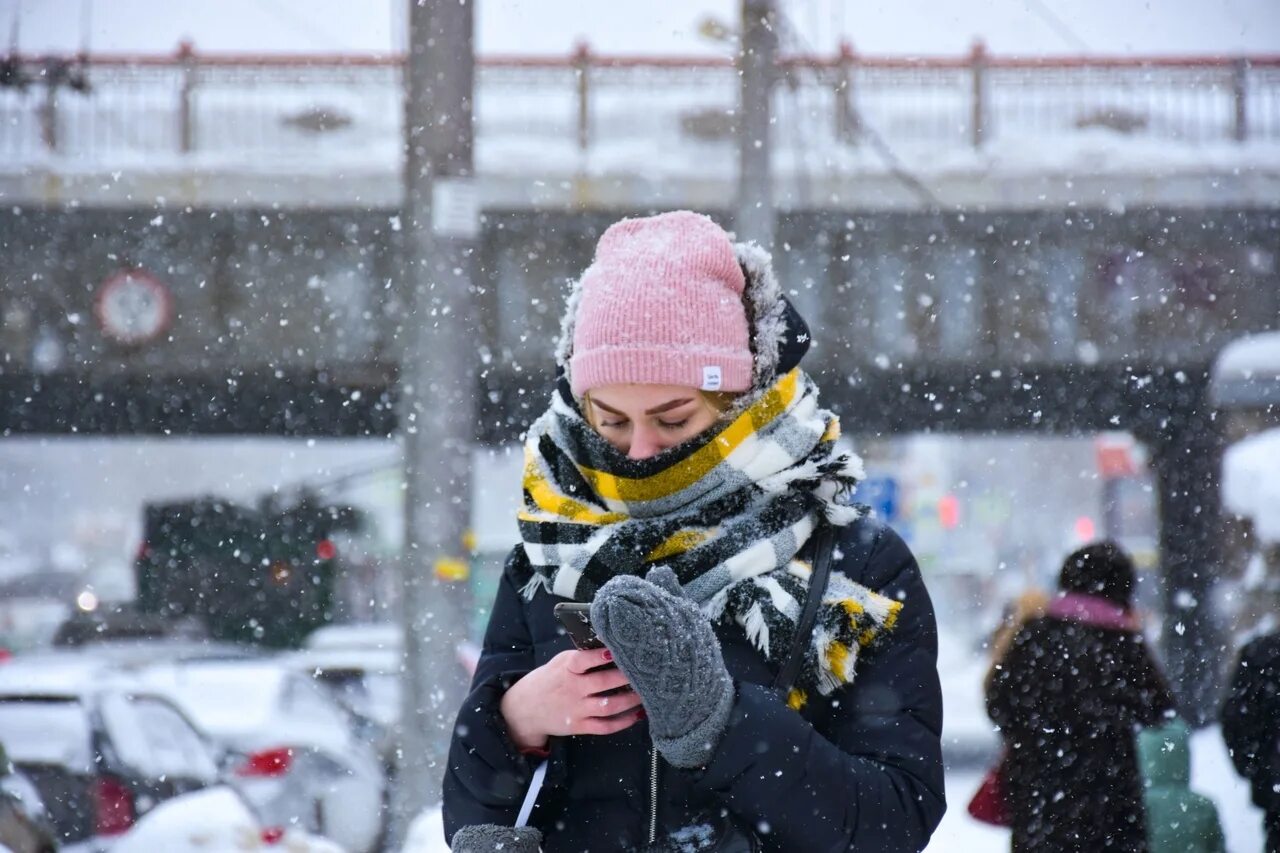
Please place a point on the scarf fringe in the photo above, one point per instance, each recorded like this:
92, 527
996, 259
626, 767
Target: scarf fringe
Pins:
757, 629
871, 617
535, 583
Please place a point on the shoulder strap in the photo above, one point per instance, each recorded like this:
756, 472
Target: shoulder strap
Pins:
804, 627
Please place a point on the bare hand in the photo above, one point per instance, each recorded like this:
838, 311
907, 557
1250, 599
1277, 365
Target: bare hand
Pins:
562, 698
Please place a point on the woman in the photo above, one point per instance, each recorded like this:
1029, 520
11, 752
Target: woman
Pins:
683, 435
1068, 695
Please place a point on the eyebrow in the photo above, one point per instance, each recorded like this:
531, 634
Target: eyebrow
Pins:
656, 410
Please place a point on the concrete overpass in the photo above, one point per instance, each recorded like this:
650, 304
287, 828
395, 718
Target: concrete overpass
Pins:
1000, 269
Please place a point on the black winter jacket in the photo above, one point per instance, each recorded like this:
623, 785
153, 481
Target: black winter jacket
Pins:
1251, 720
861, 769
1067, 698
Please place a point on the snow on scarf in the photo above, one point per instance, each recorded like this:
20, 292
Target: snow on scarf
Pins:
727, 511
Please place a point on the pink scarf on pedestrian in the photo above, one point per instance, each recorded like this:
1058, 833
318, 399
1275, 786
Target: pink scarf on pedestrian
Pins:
1092, 610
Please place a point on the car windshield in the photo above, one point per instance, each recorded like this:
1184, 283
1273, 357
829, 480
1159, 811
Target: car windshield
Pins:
46, 731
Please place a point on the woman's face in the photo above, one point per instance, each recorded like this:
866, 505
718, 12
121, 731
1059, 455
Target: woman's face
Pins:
643, 420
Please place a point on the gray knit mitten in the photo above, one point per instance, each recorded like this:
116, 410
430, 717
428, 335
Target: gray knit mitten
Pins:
490, 837
671, 656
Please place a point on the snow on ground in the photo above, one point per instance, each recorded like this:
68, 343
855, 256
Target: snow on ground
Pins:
426, 834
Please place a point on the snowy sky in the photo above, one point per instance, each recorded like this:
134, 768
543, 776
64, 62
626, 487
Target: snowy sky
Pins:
911, 27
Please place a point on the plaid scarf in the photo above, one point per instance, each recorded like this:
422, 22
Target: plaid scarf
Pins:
727, 511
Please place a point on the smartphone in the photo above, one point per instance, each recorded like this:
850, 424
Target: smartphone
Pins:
575, 616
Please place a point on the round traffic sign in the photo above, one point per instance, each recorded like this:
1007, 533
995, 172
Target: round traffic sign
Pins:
133, 307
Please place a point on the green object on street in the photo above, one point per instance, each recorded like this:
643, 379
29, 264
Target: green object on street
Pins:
1178, 819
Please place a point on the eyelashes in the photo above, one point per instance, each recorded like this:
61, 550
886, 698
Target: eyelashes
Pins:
663, 424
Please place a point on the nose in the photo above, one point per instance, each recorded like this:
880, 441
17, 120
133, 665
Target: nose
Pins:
644, 442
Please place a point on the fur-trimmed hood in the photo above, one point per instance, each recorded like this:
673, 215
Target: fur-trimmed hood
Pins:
779, 336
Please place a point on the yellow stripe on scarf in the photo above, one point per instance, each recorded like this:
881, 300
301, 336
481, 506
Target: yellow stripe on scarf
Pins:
838, 659
770, 405
560, 506
678, 543
892, 619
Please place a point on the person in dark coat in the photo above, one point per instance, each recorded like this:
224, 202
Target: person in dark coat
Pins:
1251, 726
1067, 698
680, 482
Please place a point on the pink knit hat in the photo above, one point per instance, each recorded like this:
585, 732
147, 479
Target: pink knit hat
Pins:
661, 304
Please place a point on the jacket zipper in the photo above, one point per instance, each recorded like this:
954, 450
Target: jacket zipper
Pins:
653, 794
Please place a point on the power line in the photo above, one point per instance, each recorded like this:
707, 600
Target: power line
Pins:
896, 168
1058, 25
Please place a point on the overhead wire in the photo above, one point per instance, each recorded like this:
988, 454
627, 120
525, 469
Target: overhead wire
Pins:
897, 169
804, 176
1058, 25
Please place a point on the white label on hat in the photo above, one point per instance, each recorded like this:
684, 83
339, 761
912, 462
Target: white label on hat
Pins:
711, 377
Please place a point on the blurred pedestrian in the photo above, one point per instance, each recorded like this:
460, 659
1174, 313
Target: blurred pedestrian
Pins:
686, 482
1027, 605
989, 802
1178, 819
1067, 697
1251, 726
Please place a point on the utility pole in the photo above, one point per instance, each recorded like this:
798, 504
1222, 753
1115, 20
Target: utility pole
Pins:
756, 58
437, 383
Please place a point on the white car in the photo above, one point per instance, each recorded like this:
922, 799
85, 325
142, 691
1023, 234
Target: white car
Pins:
366, 683
290, 746
100, 751
361, 665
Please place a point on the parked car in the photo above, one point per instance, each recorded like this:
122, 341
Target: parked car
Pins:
366, 684
24, 823
99, 752
137, 652
289, 745
360, 666
123, 622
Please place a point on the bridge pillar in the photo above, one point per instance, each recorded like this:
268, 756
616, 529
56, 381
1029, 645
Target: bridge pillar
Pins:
1187, 458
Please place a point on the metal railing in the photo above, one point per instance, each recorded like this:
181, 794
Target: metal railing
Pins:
294, 109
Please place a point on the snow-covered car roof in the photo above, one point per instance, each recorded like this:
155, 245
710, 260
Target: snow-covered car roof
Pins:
378, 635
221, 697
1247, 372
56, 674
252, 703
1251, 482
381, 661
150, 651
76, 672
